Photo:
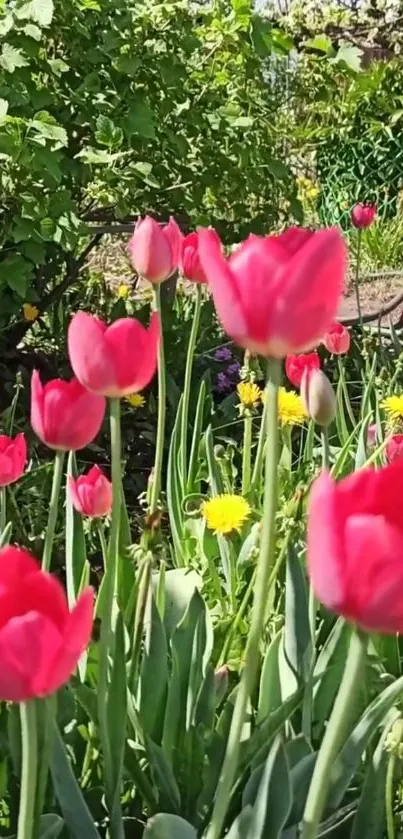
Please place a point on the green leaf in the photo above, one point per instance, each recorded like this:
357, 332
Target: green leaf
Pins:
295, 665
16, 272
369, 821
152, 690
42, 11
74, 809
116, 715
350, 56
329, 670
76, 554
278, 169
168, 826
11, 58
3, 109
196, 440
50, 131
50, 826
270, 686
239, 828
273, 800
140, 120
33, 31
174, 491
320, 43
107, 133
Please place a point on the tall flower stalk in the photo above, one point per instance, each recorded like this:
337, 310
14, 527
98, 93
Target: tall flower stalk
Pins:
187, 384
265, 565
26, 814
53, 509
357, 275
159, 447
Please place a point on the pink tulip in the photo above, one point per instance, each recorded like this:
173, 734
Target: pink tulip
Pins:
13, 456
63, 414
296, 364
91, 494
189, 262
154, 249
355, 546
337, 339
276, 295
113, 360
362, 215
394, 448
41, 641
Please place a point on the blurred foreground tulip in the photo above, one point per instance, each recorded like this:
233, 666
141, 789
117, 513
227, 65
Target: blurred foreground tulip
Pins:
154, 249
189, 262
318, 396
296, 364
276, 295
355, 546
394, 448
13, 455
114, 360
337, 339
41, 641
64, 415
91, 494
362, 215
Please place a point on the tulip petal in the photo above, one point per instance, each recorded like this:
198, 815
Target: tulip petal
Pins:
325, 547
39, 592
92, 364
15, 565
25, 643
37, 405
77, 636
227, 298
134, 350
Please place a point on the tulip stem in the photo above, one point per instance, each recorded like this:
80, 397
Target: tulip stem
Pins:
187, 384
258, 465
335, 734
26, 815
264, 580
3, 510
159, 447
246, 454
102, 542
53, 509
325, 448
357, 276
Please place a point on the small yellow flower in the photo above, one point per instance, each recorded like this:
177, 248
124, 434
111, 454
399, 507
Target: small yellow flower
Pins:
393, 407
290, 407
123, 291
249, 394
30, 312
226, 513
136, 400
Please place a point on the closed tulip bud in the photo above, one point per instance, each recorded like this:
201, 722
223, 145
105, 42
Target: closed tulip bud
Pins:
154, 249
91, 494
318, 396
189, 262
296, 364
221, 683
337, 339
64, 415
13, 455
362, 215
394, 448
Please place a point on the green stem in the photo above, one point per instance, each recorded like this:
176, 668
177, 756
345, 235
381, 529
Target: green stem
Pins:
357, 276
264, 569
46, 711
141, 604
29, 770
53, 510
325, 448
258, 465
335, 734
108, 603
3, 510
389, 798
246, 455
186, 388
102, 542
159, 448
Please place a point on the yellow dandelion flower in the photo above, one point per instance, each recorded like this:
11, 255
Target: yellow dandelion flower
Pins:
226, 513
136, 400
393, 406
30, 312
123, 291
290, 407
249, 394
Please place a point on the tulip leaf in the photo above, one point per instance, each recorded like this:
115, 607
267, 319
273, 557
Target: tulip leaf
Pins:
329, 670
297, 644
5, 537
240, 826
174, 494
116, 716
168, 826
74, 809
270, 686
152, 690
76, 556
217, 488
349, 758
272, 803
369, 820
125, 568
50, 826
191, 485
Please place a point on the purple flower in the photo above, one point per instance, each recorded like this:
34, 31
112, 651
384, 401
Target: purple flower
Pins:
223, 354
233, 369
223, 383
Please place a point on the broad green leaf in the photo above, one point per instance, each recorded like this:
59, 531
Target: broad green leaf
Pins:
50, 826
320, 43
329, 670
273, 799
11, 58
153, 679
140, 120
297, 644
239, 828
116, 715
168, 826
3, 109
270, 686
350, 56
369, 821
42, 11
74, 809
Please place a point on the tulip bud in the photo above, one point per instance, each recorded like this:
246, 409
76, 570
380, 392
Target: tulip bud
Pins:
318, 396
221, 683
362, 215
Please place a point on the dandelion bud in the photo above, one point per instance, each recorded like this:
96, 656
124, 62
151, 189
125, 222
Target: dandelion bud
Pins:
318, 396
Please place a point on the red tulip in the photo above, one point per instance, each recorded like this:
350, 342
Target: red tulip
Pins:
296, 364
276, 295
394, 448
189, 262
362, 215
355, 546
154, 249
13, 455
337, 339
63, 414
41, 641
113, 360
91, 494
